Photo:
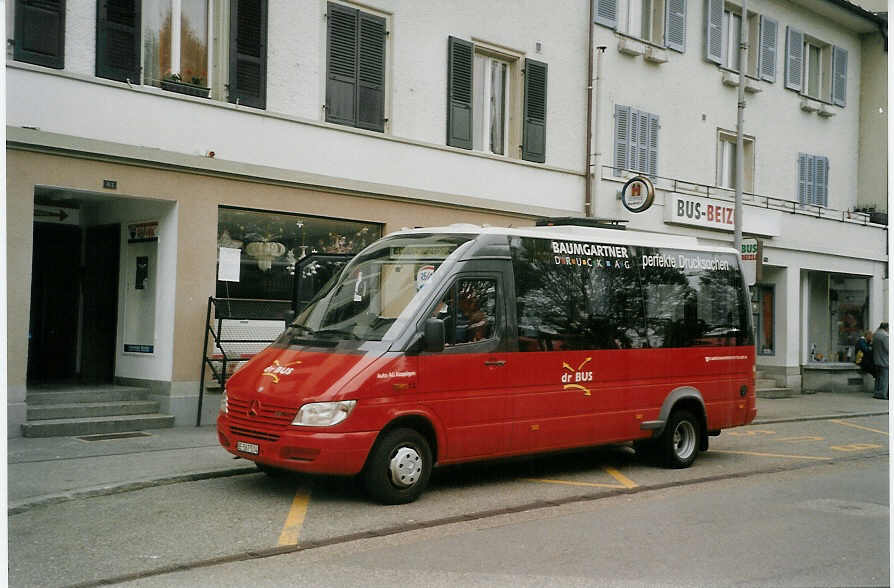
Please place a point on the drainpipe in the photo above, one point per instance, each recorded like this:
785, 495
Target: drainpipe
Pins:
588, 152
740, 122
597, 110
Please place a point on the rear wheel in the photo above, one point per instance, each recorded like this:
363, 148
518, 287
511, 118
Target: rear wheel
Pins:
680, 441
398, 468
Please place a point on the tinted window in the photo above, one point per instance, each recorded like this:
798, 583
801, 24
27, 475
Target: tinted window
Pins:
469, 311
693, 298
576, 296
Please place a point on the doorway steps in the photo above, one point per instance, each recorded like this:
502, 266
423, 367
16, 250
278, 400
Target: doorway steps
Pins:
91, 410
767, 388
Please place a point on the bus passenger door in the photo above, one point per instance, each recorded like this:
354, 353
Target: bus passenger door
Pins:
465, 384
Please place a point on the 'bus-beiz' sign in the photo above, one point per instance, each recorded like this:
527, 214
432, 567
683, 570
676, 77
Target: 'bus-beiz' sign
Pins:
701, 212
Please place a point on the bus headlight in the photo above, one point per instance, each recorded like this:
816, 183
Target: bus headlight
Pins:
324, 414
223, 402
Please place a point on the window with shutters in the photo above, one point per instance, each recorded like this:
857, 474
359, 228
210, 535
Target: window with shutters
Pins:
39, 33
726, 161
658, 22
723, 22
496, 101
636, 141
813, 179
355, 67
815, 68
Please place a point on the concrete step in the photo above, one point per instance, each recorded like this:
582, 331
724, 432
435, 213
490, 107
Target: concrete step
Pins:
95, 425
87, 394
39, 412
760, 383
775, 393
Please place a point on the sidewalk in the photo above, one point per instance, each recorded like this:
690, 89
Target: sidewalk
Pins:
56, 469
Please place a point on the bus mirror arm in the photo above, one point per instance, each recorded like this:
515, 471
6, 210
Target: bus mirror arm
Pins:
433, 335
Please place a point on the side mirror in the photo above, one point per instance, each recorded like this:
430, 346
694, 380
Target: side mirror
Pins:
289, 316
433, 335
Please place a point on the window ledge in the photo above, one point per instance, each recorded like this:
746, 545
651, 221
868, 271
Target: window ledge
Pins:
752, 86
655, 54
826, 112
730, 78
810, 105
630, 47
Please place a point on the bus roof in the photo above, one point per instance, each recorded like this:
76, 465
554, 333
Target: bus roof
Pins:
578, 233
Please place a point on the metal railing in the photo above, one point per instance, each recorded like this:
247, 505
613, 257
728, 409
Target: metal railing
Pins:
749, 198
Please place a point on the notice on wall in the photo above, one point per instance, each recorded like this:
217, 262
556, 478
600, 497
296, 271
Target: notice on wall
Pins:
228, 264
139, 299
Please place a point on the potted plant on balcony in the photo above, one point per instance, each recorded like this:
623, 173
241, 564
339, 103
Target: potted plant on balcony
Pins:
174, 82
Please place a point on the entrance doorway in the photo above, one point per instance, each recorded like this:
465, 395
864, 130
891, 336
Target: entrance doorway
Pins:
100, 290
53, 324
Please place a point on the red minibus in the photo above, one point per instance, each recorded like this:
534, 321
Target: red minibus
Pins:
445, 345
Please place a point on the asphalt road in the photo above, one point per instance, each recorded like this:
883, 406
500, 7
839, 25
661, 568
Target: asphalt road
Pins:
783, 504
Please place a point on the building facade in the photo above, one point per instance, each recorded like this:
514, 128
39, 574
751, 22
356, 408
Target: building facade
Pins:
147, 141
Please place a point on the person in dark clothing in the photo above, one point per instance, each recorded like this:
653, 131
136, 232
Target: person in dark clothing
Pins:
880, 358
864, 357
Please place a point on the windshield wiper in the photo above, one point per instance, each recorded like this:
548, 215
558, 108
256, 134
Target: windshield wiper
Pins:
302, 327
337, 333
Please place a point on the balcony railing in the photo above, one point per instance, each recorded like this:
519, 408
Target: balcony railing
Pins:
728, 195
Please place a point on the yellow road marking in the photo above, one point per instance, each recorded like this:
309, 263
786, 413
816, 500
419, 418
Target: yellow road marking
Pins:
751, 433
855, 447
846, 424
769, 454
801, 438
292, 529
627, 482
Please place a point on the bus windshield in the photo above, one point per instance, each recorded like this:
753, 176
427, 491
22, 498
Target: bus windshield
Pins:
367, 300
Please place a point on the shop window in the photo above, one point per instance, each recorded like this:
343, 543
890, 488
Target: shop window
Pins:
260, 252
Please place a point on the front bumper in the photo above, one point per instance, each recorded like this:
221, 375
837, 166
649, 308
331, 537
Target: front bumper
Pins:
300, 450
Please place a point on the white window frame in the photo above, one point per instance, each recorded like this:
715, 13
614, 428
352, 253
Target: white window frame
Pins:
176, 12
634, 14
824, 69
726, 148
482, 90
730, 30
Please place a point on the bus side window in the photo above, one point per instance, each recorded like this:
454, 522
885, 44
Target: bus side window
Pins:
469, 311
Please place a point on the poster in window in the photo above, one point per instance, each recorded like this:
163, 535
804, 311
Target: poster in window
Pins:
140, 292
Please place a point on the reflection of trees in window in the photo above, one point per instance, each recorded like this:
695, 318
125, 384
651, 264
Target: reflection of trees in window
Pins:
574, 306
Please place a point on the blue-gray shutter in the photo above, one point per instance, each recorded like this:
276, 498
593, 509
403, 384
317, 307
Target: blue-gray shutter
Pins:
653, 145
675, 25
460, 56
622, 138
248, 53
839, 76
805, 178
794, 58
371, 73
714, 31
633, 141
821, 180
534, 131
606, 13
642, 143
341, 64
40, 32
118, 40
767, 56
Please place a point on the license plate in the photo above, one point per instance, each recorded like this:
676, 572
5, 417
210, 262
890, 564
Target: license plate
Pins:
251, 448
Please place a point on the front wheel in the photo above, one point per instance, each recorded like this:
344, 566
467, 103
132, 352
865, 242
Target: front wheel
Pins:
680, 440
398, 468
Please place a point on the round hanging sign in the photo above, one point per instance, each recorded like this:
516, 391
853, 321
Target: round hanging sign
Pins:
638, 194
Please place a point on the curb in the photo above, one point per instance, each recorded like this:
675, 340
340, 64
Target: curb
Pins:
849, 415
27, 504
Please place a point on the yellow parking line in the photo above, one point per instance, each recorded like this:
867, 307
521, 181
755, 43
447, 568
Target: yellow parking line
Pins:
570, 483
627, 482
846, 424
292, 529
624, 480
770, 454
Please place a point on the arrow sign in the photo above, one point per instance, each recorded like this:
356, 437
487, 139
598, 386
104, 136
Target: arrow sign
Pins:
62, 215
